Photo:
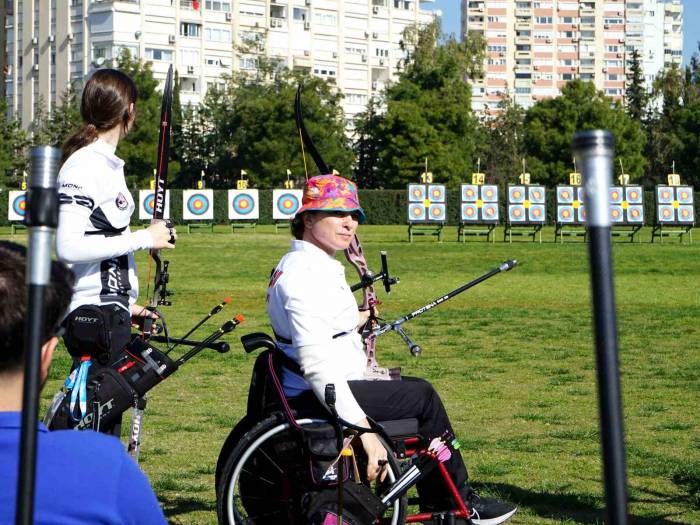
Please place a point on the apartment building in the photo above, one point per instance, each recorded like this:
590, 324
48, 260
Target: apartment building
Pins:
535, 46
353, 43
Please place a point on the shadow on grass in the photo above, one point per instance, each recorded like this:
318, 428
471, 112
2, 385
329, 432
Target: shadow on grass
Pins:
574, 508
178, 505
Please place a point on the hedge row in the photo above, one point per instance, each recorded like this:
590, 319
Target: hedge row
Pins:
381, 206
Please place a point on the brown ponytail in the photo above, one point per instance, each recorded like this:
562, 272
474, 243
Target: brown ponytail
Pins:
104, 105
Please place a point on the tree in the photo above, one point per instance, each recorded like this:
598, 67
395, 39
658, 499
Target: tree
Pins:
550, 125
53, 128
428, 111
367, 148
636, 95
13, 147
506, 138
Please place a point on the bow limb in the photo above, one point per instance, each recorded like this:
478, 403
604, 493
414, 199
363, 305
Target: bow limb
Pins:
160, 292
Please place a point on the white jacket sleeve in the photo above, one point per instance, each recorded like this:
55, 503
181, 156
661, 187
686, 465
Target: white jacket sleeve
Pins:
319, 370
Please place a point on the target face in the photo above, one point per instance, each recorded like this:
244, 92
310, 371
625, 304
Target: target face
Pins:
616, 213
198, 205
581, 194
243, 204
634, 194
516, 194
436, 193
437, 212
470, 193
666, 213
416, 192
686, 213
615, 195
470, 212
489, 193
684, 195
537, 213
516, 213
664, 195
582, 215
489, 212
565, 195
635, 213
147, 201
17, 208
565, 214
416, 212
285, 203
536, 194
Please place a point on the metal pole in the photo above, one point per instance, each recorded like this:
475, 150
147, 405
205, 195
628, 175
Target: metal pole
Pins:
594, 151
41, 221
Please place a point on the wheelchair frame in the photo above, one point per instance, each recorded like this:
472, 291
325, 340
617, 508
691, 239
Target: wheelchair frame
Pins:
269, 413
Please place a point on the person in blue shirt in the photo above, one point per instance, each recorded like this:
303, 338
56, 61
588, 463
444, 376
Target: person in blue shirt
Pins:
81, 477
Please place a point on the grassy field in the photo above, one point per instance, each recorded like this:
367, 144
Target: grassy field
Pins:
512, 359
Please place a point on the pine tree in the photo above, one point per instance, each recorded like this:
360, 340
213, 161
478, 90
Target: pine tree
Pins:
636, 96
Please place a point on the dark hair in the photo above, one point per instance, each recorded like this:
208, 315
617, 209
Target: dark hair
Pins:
104, 104
13, 303
297, 226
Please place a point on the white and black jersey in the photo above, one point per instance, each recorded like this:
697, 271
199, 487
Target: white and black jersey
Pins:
93, 235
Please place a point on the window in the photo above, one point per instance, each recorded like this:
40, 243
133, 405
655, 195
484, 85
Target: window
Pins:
326, 19
497, 49
325, 71
381, 52
354, 50
543, 19
300, 15
522, 47
217, 5
614, 76
567, 76
251, 10
248, 63
613, 49
189, 57
523, 90
356, 98
613, 91
213, 34
523, 75
278, 11
569, 20
190, 29
166, 55
613, 21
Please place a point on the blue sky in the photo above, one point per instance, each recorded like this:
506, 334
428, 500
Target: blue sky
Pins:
691, 22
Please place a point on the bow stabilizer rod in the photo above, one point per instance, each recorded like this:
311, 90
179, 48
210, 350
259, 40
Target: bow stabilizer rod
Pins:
396, 325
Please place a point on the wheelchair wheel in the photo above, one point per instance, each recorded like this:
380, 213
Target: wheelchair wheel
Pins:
266, 478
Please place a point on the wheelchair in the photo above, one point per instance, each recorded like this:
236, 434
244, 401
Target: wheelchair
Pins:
274, 465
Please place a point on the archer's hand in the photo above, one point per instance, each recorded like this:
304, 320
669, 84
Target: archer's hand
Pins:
139, 313
376, 454
365, 315
161, 235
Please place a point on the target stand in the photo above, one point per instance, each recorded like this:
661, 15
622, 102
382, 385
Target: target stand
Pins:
571, 213
427, 210
243, 209
17, 210
675, 213
626, 211
198, 209
478, 210
526, 212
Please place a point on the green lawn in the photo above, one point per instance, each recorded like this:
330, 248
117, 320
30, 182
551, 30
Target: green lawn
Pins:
512, 358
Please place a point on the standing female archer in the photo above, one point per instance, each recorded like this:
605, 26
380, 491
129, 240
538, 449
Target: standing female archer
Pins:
93, 234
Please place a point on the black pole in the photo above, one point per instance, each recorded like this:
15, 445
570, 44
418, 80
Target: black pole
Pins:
594, 151
41, 221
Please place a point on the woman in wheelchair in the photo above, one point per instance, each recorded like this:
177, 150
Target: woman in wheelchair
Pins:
315, 319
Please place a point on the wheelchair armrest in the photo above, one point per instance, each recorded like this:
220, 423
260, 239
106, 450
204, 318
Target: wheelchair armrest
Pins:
254, 341
400, 427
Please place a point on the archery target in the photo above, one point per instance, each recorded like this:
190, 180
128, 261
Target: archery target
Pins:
470, 192
581, 194
18, 205
617, 214
666, 213
684, 195
198, 205
565, 214
147, 201
616, 195
516, 194
470, 212
686, 213
489, 193
436, 193
664, 194
635, 214
416, 212
565, 195
243, 204
489, 211
634, 194
516, 213
537, 213
582, 215
416, 192
437, 212
285, 203
536, 195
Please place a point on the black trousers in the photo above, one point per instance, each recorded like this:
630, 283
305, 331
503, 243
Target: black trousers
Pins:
120, 334
412, 397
